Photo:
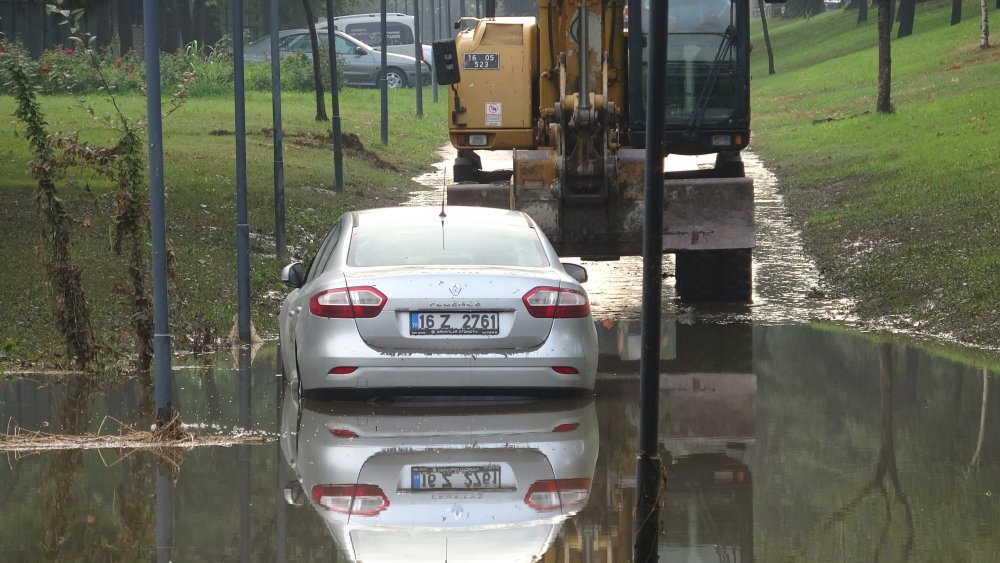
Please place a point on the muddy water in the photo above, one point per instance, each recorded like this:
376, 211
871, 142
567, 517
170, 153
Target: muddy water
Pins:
786, 288
781, 443
781, 440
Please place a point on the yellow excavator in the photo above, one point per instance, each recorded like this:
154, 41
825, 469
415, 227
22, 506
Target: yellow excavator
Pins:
566, 92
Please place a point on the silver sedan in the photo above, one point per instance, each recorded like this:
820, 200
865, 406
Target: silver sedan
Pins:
360, 64
420, 299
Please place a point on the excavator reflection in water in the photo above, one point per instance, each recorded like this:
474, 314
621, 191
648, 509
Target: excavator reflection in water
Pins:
707, 433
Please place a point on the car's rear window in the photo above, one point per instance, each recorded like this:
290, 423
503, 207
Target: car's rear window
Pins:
451, 243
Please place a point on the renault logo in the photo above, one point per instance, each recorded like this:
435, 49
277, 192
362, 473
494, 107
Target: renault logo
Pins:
455, 289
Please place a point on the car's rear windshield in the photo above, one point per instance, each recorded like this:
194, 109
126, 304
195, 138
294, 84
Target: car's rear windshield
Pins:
450, 243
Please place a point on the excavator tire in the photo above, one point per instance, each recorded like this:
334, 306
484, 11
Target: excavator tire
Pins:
715, 275
467, 166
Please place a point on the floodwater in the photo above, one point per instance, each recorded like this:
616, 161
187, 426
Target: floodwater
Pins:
782, 439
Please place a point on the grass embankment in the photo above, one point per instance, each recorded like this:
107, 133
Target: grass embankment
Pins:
902, 211
199, 169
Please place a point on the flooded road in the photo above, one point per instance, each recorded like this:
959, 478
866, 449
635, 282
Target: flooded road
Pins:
782, 443
787, 283
782, 439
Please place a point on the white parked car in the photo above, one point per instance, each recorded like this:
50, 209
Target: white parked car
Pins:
420, 299
367, 28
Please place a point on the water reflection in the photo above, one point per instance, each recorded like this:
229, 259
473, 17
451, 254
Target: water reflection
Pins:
781, 443
425, 480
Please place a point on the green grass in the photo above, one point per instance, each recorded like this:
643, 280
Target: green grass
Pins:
901, 210
199, 171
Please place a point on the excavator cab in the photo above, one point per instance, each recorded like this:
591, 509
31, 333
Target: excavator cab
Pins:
566, 92
707, 78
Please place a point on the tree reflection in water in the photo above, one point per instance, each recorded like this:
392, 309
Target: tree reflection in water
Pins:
885, 482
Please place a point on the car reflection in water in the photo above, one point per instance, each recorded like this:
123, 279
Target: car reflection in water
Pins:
437, 480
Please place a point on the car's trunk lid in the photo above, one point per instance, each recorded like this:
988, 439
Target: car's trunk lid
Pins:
453, 309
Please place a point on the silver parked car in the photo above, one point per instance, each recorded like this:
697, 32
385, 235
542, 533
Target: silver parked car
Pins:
420, 299
361, 65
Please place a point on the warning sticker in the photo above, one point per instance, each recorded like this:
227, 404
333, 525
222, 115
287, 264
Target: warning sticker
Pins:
494, 114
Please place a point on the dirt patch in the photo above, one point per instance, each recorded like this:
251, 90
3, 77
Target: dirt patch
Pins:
353, 147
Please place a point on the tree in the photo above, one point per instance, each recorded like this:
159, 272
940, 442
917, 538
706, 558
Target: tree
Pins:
907, 8
767, 37
862, 6
984, 38
317, 66
883, 103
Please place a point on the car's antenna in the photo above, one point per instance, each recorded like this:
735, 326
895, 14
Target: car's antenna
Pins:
444, 191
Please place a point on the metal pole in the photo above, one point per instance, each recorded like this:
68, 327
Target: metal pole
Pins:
157, 212
384, 84
242, 222
447, 18
418, 53
584, 45
338, 141
434, 36
647, 522
279, 165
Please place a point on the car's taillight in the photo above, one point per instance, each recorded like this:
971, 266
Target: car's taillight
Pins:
555, 303
348, 303
566, 427
356, 500
552, 494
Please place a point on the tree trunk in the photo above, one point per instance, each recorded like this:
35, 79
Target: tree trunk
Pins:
984, 38
907, 8
956, 11
767, 37
883, 103
862, 12
317, 66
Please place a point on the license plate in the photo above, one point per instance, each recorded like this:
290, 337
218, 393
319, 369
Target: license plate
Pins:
455, 477
425, 323
481, 61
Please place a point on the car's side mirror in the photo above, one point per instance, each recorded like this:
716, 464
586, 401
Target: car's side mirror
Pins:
576, 271
360, 51
293, 275
293, 493
446, 62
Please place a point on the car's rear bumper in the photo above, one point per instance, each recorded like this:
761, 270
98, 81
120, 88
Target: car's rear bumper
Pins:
510, 370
